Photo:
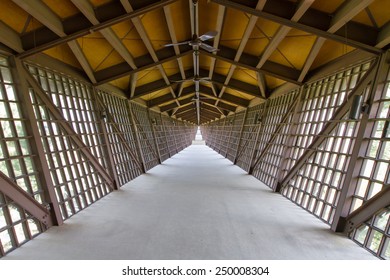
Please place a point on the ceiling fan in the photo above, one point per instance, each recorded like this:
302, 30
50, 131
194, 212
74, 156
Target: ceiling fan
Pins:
198, 41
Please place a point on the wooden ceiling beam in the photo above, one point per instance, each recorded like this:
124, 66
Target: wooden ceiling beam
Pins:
86, 8
313, 21
142, 63
248, 31
10, 38
283, 30
250, 62
345, 13
43, 14
79, 28
384, 36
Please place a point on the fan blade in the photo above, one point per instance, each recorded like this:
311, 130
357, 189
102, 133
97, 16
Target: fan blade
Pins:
176, 44
208, 47
179, 81
209, 35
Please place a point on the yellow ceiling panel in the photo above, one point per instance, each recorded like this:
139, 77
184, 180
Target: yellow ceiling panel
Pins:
256, 46
273, 82
97, 3
204, 61
287, 54
187, 62
158, 33
156, 94
62, 8
130, 38
239, 94
363, 18
64, 54
122, 83
111, 59
18, 18
245, 75
181, 20
261, 35
329, 51
171, 67
207, 16
222, 67
233, 28
147, 76
100, 54
327, 6
380, 10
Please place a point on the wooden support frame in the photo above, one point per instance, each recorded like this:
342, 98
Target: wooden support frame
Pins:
67, 127
14, 192
369, 209
136, 137
341, 111
344, 202
274, 135
37, 147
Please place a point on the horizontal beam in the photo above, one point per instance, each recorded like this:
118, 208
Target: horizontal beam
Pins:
313, 21
24, 200
142, 63
250, 62
47, 40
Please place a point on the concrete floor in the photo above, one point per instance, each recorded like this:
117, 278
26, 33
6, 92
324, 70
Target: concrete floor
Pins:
196, 205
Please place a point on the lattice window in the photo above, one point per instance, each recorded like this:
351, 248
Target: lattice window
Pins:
168, 124
317, 185
17, 162
126, 168
249, 136
374, 172
274, 133
321, 100
234, 138
145, 135
77, 183
160, 135
374, 234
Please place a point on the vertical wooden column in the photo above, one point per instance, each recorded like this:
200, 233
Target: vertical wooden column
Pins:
106, 146
154, 137
36, 145
136, 136
290, 142
254, 150
240, 136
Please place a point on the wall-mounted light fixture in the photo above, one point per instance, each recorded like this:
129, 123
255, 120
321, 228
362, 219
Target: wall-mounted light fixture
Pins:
358, 107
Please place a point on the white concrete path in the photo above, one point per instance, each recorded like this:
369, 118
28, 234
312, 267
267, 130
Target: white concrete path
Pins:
196, 205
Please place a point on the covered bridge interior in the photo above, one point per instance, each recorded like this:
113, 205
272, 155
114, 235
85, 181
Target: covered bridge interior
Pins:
95, 93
